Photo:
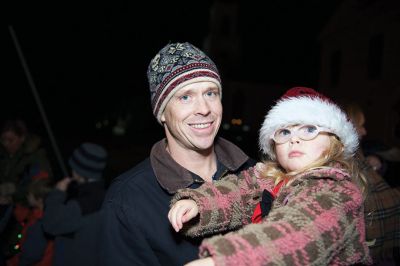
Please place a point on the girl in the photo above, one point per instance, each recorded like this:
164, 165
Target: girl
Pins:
310, 186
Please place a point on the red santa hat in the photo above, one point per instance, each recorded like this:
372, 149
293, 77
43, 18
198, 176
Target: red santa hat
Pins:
305, 106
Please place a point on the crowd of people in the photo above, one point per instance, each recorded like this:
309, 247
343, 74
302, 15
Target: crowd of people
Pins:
47, 220
315, 198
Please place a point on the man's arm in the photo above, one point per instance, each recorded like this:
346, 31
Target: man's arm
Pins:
122, 242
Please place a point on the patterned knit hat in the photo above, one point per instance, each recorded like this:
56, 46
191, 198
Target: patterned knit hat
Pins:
89, 160
305, 106
175, 66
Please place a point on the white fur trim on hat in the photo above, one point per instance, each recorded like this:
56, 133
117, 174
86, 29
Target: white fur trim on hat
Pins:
309, 111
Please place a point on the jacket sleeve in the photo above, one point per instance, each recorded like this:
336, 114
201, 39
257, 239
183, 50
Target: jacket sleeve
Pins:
226, 204
35, 244
316, 224
61, 217
122, 242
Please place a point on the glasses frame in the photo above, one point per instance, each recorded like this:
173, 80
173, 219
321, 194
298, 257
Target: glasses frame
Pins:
319, 130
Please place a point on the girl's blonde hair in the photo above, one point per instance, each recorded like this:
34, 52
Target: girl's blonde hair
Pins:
333, 157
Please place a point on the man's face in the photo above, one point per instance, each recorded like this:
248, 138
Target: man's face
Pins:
192, 117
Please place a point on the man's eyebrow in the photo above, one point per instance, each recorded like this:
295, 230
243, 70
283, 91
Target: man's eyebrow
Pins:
183, 92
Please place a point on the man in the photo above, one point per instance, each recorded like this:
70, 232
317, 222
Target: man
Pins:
72, 209
186, 100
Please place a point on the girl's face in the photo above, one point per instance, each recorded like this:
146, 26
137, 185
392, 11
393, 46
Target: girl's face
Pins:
297, 153
33, 201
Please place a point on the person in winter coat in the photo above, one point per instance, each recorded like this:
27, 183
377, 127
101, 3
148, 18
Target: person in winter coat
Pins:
304, 206
382, 205
72, 209
36, 247
186, 99
22, 158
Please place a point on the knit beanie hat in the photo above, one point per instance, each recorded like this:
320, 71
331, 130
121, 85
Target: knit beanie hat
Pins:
89, 160
305, 106
175, 66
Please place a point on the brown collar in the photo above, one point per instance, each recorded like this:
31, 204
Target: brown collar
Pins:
172, 176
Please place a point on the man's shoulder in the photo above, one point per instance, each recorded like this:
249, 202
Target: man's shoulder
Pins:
132, 180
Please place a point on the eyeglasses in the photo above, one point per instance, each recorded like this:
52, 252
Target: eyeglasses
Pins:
304, 132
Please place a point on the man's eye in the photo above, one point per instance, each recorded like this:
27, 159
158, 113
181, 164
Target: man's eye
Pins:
184, 97
211, 93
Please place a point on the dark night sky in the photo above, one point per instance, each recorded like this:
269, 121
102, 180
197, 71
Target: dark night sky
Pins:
89, 61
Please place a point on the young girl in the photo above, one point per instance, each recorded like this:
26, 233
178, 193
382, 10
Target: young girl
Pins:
35, 246
310, 187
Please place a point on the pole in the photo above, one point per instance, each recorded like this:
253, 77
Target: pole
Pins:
38, 101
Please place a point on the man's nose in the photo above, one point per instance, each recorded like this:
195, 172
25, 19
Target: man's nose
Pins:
202, 106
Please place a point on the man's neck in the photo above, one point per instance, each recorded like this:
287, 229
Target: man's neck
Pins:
202, 163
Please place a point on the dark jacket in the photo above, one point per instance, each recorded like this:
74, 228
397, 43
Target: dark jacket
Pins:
75, 223
382, 217
30, 162
36, 246
134, 214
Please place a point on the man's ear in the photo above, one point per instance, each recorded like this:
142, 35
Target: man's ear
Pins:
162, 118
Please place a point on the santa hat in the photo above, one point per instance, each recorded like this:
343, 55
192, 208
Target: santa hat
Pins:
305, 106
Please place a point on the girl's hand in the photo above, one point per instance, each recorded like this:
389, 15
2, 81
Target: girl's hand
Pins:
201, 262
181, 212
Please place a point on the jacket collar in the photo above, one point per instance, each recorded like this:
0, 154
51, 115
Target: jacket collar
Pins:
172, 176
322, 172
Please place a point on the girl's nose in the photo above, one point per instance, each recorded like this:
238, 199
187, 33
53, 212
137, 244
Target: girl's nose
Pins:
294, 139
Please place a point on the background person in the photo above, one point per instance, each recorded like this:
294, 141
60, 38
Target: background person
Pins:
382, 205
72, 209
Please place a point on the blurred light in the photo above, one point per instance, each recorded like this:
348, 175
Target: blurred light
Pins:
237, 122
105, 122
239, 138
98, 125
246, 128
226, 126
119, 131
